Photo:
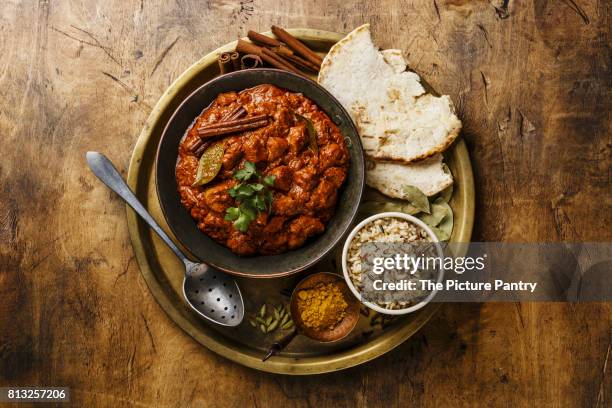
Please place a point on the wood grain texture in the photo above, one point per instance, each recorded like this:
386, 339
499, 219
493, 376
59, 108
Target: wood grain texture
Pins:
532, 81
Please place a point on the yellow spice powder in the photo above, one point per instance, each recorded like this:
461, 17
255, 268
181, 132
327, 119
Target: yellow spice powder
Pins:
322, 307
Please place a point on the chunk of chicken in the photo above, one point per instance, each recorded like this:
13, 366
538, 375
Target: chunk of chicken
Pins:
277, 146
302, 228
297, 138
217, 198
282, 178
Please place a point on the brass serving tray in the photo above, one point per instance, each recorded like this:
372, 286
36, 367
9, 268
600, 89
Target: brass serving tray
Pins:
245, 344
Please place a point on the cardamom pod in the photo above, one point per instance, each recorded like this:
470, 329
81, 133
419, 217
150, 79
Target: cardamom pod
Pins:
285, 319
272, 326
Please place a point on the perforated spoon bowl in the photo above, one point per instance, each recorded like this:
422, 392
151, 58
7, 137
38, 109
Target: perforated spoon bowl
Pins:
210, 292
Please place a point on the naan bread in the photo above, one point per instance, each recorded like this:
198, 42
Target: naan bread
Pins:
397, 120
390, 177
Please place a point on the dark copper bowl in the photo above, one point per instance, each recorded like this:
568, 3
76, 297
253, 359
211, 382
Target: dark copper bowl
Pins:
185, 228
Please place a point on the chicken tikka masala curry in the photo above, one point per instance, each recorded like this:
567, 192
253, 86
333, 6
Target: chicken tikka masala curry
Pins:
260, 170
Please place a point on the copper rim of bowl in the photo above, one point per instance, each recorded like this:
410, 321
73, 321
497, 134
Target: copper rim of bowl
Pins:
351, 216
349, 281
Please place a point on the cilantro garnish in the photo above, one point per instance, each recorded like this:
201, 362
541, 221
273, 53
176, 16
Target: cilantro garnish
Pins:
269, 180
252, 198
246, 172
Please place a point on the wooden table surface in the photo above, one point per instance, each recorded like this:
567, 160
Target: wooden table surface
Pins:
532, 83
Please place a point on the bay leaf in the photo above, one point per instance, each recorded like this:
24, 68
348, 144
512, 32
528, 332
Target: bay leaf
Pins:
209, 165
375, 207
438, 212
442, 235
446, 225
446, 194
312, 133
417, 198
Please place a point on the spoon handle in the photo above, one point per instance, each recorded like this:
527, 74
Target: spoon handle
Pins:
105, 171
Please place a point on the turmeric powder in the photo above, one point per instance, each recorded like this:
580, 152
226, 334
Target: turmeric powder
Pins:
322, 306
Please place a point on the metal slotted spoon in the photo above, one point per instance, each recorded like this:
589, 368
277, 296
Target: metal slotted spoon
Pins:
210, 292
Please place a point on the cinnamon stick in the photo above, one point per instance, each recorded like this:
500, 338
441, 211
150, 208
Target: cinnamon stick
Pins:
208, 133
234, 122
225, 63
297, 46
282, 50
202, 146
235, 58
286, 64
266, 55
244, 47
296, 59
235, 113
250, 61
198, 145
194, 145
263, 39
302, 63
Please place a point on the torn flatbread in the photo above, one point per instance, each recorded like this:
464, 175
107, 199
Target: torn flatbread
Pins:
397, 120
390, 177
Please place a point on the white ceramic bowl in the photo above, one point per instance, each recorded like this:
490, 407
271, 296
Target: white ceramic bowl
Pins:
349, 282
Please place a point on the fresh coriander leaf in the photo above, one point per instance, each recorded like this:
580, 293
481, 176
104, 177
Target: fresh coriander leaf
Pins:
246, 172
250, 166
269, 180
268, 197
242, 223
252, 198
260, 203
242, 175
244, 191
233, 192
248, 209
232, 214
248, 205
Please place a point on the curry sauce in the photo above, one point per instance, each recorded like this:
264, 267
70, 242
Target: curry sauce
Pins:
306, 177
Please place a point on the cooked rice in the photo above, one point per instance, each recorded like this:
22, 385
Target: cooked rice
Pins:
384, 230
